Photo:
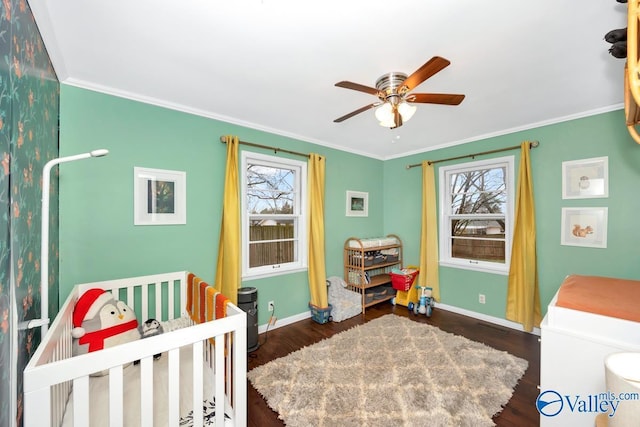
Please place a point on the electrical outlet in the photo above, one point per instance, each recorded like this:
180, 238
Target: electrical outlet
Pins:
271, 306
481, 298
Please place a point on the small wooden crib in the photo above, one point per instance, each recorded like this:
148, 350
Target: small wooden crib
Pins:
199, 379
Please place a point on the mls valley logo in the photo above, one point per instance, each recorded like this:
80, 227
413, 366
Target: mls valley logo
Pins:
550, 403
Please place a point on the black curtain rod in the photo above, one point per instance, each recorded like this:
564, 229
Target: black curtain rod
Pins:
533, 144
223, 139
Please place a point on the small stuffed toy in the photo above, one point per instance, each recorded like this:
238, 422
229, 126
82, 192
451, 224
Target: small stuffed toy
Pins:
151, 328
618, 40
101, 322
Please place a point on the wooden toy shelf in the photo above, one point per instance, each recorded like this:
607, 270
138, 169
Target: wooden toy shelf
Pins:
367, 263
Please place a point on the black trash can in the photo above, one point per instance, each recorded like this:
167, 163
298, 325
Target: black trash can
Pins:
248, 302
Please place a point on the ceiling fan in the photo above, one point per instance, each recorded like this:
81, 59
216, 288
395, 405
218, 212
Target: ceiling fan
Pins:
394, 97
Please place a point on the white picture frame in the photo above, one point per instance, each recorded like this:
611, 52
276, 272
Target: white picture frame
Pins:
586, 178
584, 227
159, 197
357, 203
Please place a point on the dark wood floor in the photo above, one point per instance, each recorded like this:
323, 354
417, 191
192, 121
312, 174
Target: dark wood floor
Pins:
520, 411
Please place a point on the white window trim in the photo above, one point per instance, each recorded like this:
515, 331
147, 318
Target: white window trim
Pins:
299, 265
445, 242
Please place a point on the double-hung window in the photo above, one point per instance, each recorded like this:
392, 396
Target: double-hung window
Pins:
274, 238
476, 214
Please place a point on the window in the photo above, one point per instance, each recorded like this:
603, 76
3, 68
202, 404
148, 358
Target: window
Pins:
274, 238
476, 203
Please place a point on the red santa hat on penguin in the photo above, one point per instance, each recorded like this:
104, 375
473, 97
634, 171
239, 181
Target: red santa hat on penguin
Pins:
99, 321
87, 307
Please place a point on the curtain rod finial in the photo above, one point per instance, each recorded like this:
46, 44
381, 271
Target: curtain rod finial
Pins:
534, 144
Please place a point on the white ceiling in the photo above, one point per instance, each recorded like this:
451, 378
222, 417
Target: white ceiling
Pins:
272, 64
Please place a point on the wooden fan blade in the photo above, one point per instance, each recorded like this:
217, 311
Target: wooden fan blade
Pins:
435, 98
358, 87
431, 67
353, 113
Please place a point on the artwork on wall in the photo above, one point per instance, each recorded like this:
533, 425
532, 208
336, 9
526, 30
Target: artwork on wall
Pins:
587, 178
584, 227
357, 203
160, 197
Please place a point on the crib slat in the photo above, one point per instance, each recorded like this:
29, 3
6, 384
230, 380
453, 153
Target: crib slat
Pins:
173, 405
116, 392
197, 384
146, 392
81, 401
158, 302
131, 298
171, 289
145, 299
219, 384
229, 365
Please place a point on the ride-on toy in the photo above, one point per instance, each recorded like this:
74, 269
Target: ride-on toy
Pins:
425, 302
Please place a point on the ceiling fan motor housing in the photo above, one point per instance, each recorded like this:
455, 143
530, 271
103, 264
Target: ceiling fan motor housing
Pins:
388, 85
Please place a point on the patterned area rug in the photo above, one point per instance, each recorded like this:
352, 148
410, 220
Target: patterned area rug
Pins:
391, 371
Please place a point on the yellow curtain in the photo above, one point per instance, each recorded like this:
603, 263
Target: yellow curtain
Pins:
523, 295
228, 267
429, 234
317, 272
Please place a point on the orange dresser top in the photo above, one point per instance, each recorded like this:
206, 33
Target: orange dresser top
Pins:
601, 295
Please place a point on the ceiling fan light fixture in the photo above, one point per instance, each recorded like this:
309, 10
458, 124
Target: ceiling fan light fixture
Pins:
384, 114
406, 110
388, 124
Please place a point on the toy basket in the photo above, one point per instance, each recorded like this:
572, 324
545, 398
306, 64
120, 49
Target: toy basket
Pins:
320, 315
403, 282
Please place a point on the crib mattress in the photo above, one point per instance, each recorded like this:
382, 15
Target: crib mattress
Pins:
99, 394
601, 295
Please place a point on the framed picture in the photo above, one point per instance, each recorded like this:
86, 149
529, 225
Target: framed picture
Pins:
159, 197
357, 203
583, 179
584, 227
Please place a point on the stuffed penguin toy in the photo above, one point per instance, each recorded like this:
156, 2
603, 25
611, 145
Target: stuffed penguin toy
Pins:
99, 321
151, 328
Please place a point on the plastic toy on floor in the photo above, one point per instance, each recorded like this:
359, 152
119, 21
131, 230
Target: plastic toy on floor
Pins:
425, 302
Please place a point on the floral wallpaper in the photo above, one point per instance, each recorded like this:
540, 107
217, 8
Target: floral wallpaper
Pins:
29, 106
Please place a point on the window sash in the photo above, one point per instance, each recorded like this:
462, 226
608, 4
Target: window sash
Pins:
282, 249
484, 250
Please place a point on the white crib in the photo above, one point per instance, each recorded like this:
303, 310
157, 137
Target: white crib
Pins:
216, 351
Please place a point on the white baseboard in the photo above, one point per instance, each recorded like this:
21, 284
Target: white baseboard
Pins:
485, 317
284, 322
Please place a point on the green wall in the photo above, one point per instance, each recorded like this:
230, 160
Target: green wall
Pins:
596, 136
98, 240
